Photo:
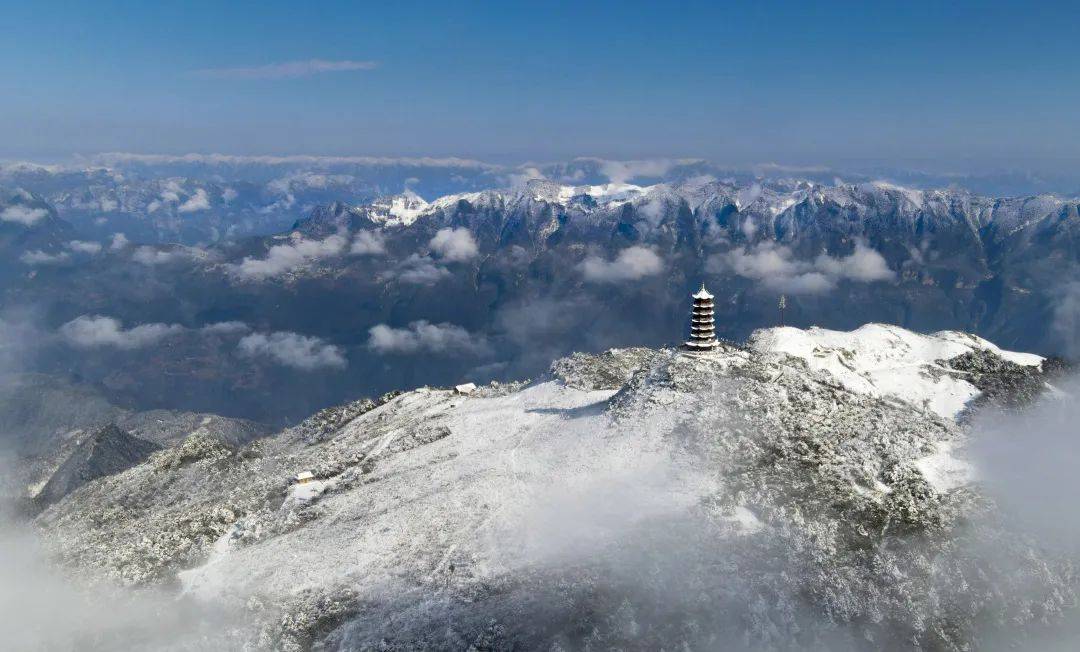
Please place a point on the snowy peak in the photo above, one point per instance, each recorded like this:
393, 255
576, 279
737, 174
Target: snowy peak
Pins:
104, 452
468, 503
888, 361
401, 209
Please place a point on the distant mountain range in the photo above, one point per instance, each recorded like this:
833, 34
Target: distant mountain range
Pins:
197, 198
477, 272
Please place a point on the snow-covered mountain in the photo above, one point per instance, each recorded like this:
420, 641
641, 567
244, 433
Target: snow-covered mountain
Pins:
808, 491
196, 199
487, 283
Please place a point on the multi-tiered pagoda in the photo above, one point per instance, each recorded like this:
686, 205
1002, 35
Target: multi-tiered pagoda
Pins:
702, 329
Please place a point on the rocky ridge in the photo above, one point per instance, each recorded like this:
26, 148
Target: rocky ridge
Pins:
641, 497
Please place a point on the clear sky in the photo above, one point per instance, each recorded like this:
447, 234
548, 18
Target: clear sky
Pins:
790, 82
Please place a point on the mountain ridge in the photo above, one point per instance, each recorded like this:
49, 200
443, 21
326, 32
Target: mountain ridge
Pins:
440, 519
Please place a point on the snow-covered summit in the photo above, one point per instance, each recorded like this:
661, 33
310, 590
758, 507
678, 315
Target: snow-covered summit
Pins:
401, 209
889, 361
433, 514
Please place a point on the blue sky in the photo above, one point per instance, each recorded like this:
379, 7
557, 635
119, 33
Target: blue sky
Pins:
792, 82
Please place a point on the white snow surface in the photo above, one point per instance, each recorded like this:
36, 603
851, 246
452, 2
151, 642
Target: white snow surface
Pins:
888, 361
435, 496
535, 475
944, 470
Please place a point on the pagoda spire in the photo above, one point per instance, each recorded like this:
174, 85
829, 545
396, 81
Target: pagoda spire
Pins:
702, 328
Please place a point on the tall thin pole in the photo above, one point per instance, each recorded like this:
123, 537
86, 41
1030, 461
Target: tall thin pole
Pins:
783, 304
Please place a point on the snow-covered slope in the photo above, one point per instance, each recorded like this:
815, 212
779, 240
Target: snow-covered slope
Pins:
889, 361
642, 498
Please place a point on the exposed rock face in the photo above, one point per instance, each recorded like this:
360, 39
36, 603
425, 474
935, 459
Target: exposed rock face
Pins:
608, 370
43, 419
1002, 383
104, 452
640, 498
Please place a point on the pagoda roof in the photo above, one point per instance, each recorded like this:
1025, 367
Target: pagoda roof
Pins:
702, 293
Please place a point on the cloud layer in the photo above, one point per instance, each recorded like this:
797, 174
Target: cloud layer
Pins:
422, 336
23, 215
454, 245
288, 257
368, 243
302, 352
631, 264
96, 331
776, 267
38, 257
285, 70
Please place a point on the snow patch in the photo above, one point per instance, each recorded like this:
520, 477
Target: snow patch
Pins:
943, 470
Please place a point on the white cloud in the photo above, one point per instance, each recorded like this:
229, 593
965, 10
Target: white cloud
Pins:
625, 171
23, 214
172, 191
524, 175
1066, 324
84, 247
114, 159
200, 201
228, 195
631, 264
423, 336
226, 328
778, 269
119, 241
150, 256
417, 270
454, 245
95, 331
293, 350
38, 257
286, 70
288, 257
368, 243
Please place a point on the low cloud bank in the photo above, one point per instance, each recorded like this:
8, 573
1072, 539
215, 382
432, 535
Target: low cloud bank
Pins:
1027, 461
42, 609
85, 247
1066, 324
38, 257
422, 336
777, 268
24, 215
294, 350
631, 264
200, 201
96, 331
368, 243
288, 257
285, 70
151, 256
454, 245
417, 270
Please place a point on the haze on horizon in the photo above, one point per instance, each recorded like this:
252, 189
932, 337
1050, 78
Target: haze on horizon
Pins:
961, 87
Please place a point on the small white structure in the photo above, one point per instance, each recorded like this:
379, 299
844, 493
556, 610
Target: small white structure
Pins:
304, 477
467, 388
